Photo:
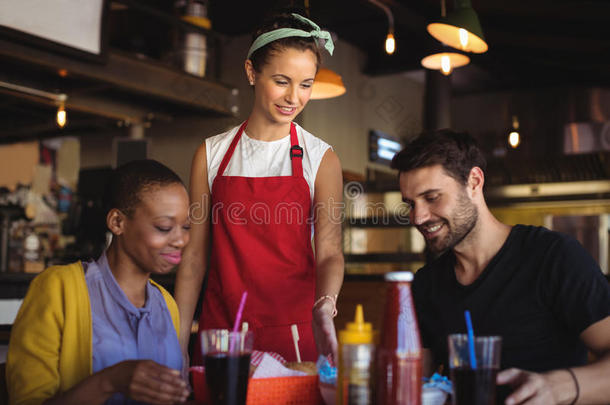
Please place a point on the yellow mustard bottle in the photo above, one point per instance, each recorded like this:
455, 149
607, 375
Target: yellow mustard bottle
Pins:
355, 378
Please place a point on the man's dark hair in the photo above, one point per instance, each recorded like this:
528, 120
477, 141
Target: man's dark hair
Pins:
128, 181
261, 56
457, 152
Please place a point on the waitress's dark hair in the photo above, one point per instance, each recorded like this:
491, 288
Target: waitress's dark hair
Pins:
127, 182
261, 56
457, 152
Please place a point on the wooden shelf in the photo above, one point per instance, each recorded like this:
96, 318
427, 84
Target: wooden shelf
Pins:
383, 257
123, 87
391, 221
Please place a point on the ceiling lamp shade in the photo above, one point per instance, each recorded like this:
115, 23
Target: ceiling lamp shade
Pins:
327, 84
445, 61
461, 29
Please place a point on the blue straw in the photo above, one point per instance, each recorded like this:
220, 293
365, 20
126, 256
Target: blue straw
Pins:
473, 358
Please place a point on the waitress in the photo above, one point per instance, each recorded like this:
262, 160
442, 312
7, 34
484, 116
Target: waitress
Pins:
262, 185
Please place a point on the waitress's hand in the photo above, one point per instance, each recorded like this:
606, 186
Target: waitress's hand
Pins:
324, 330
147, 381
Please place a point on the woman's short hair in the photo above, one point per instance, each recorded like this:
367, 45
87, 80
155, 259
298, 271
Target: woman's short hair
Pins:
456, 152
127, 182
261, 56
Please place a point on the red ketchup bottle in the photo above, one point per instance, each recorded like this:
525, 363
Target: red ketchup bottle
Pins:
399, 358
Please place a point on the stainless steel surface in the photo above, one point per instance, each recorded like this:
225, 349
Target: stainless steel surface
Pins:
560, 189
195, 51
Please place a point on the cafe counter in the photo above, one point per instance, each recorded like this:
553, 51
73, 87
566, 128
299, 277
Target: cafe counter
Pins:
368, 290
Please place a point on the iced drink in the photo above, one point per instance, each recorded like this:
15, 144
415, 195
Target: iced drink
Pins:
226, 357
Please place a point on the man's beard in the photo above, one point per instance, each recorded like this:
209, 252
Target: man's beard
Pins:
462, 221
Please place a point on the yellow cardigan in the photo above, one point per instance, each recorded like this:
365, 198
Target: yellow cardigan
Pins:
50, 347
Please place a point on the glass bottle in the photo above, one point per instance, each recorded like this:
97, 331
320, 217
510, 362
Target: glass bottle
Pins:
399, 359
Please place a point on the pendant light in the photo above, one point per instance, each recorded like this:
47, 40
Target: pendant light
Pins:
460, 29
390, 42
327, 84
61, 110
445, 61
514, 138
58, 99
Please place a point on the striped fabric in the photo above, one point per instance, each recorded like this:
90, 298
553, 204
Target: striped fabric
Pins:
257, 357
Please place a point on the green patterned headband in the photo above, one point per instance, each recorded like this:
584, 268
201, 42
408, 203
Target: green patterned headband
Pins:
280, 33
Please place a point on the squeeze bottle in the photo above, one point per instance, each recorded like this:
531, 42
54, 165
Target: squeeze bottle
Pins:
355, 379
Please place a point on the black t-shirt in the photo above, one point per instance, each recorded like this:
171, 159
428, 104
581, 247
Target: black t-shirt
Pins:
539, 292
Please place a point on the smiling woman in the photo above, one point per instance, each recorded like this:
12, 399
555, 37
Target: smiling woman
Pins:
261, 167
101, 332
283, 86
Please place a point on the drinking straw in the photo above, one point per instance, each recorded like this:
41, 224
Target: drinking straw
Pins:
473, 358
240, 310
295, 339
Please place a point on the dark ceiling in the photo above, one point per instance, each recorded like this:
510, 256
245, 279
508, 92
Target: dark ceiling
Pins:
531, 43
538, 43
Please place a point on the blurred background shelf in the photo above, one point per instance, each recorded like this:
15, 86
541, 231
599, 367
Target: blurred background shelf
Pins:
399, 257
375, 222
377, 235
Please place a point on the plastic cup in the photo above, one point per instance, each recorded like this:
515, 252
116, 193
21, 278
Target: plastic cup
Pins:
474, 386
226, 357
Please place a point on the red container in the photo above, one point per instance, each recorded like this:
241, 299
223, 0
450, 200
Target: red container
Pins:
301, 390
399, 358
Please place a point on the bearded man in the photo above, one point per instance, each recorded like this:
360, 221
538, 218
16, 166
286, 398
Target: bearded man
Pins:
537, 289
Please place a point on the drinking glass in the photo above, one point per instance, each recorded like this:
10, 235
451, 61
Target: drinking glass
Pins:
474, 386
226, 357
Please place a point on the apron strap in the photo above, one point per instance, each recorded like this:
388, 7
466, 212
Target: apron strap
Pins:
296, 152
227, 157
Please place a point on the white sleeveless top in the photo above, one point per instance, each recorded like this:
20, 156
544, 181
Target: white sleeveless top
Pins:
254, 158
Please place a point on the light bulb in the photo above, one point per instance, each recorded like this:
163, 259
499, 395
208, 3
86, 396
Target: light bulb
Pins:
463, 38
61, 116
445, 65
390, 44
514, 139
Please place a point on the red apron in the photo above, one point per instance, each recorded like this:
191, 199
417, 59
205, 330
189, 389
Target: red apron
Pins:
261, 243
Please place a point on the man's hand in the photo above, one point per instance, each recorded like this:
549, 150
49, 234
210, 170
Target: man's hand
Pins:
529, 388
324, 330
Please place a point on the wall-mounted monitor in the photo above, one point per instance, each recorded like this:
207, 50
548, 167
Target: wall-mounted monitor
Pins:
69, 26
383, 147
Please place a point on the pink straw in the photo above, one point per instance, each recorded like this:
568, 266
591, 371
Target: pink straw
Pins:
240, 311
238, 320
